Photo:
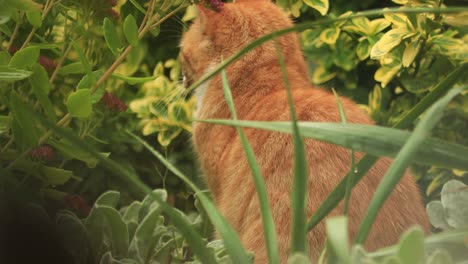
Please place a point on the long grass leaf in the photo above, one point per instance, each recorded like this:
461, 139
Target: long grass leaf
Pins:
190, 234
349, 182
299, 192
229, 236
402, 160
439, 90
368, 161
271, 240
375, 140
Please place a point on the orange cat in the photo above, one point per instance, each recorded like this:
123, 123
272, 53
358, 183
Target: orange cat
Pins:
259, 94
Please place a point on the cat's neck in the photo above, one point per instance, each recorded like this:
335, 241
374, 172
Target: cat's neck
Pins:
249, 85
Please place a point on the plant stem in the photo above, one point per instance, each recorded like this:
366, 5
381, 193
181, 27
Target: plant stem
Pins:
47, 7
59, 64
147, 15
15, 31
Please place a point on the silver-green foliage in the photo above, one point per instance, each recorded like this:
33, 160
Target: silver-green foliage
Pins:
452, 209
137, 233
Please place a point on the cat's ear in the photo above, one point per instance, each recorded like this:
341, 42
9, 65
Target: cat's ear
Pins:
209, 18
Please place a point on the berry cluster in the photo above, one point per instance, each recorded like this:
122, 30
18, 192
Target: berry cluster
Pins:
77, 203
113, 102
43, 153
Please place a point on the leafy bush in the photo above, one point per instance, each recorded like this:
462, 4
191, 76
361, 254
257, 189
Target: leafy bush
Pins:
68, 70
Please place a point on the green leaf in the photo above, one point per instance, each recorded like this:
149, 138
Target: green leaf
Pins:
109, 198
90, 80
319, 5
298, 258
4, 58
24, 5
375, 140
337, 238
72, 151
410, 53
363, 49
440, 257
84, 61
5, 15
132, 212
72, 236
130, 29
230, 237
39, 81
299, 192
138, 6
455, 200
24, 58
4, 124
107, 230
436, 214
12, 75
30, 133
107, 258
411, 248
389, 41
269, 232
134, 80
34, 18
147, 236
407, 153
55, 176
79, 104
112, 37
151, 202
73, 68
330, 35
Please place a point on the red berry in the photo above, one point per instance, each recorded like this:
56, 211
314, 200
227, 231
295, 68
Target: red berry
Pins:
43, 153
113, 102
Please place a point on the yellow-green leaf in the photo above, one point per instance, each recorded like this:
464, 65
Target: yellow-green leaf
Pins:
165, 137
385, 74
321, 75
410, 53
389, 41
363, 49
398, 20
319, 5
377, 25
79, 103
330, 35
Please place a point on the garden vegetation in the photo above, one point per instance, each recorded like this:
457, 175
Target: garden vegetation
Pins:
95, 160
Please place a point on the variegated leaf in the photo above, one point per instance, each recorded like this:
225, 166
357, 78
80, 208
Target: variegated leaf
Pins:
319, 5
390, 40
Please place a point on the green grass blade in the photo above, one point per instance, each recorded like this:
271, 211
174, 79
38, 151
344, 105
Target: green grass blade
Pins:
402, 160
229, 236
439, 90
299, 192
190, 234
271, 240
368, 161
375, 140
320, 22
350, 180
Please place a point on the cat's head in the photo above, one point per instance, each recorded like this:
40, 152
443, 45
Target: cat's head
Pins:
216, 35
